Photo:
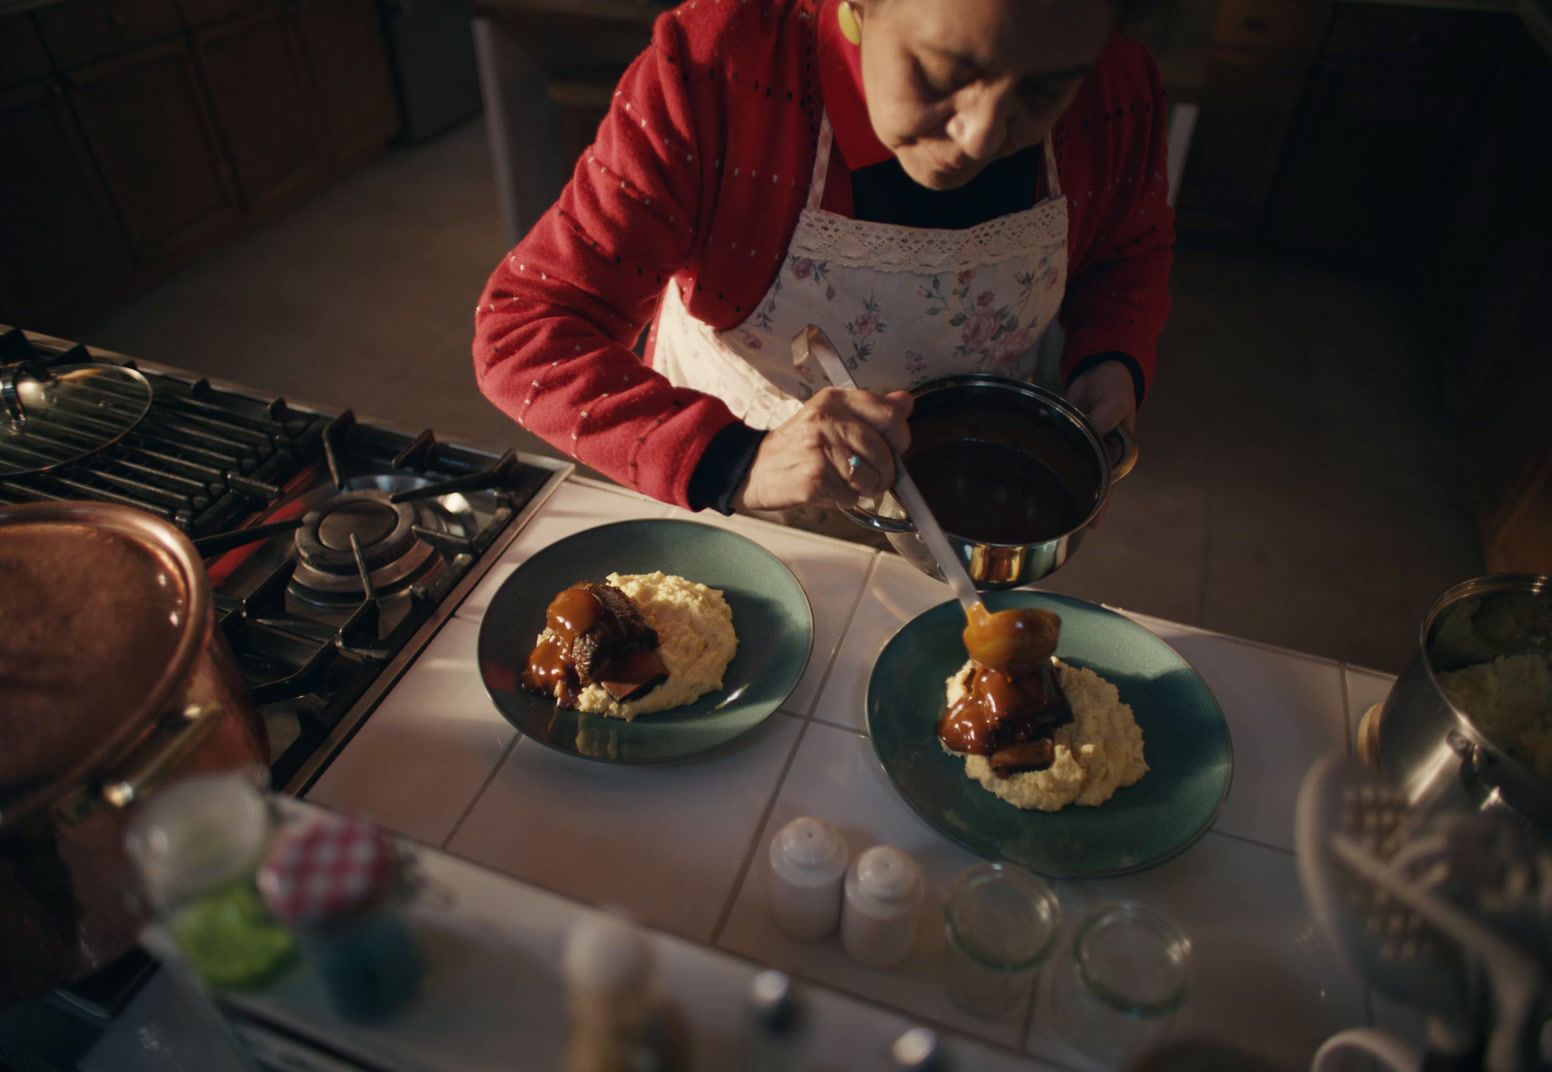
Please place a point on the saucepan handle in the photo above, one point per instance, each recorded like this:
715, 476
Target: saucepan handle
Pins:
131, 782
1125, 454
877, 522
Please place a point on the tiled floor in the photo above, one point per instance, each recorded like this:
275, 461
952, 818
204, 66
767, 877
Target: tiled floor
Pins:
1298, 484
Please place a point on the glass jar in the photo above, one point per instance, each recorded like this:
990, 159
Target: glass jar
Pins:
196, 846
1128, 973
341, 887
1001, 923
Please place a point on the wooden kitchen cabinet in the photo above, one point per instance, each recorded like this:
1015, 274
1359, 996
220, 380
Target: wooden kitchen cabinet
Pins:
85, 30
144, 118
1237, 145
349, 67
1329, 128
154, 129
1485, 287
22, 55
1291, 28
59, 236
1365, 163
263, 102
1257, 67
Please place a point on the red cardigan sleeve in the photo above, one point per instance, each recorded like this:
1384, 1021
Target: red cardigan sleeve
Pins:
1118, 290
555, 325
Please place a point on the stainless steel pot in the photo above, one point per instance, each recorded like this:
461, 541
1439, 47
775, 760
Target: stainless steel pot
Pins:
1433, 750
114, 679
1032, 420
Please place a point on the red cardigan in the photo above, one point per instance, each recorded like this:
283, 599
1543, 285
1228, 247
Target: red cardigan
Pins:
698, 174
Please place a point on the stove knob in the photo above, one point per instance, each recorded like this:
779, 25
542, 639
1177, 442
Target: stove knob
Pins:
771, 999
919, 1050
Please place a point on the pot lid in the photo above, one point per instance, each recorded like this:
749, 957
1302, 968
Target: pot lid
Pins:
52, 416
101, 615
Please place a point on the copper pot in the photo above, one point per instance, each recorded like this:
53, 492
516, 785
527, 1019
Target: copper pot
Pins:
114, 679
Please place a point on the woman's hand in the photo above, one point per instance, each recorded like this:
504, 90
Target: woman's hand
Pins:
805, 460
1108, 395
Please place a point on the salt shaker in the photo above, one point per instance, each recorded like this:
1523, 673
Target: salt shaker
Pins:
884, 891
808, 869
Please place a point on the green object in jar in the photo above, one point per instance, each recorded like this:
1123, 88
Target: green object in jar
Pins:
232, 941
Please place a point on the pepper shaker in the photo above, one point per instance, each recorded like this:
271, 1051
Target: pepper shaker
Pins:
884, 892
808, 869
337, 882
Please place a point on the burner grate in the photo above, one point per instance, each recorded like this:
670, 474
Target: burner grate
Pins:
202, 458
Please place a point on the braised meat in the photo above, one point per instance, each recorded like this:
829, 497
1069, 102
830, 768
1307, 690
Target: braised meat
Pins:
595, 635
1009, 712
612, 630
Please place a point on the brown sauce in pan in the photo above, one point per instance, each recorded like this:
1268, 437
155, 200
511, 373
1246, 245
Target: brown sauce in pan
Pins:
993, 493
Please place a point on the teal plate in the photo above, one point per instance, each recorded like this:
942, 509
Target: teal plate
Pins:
1185, 741
771, 616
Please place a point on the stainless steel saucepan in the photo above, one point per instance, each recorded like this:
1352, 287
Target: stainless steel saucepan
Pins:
1428, 738
976, 417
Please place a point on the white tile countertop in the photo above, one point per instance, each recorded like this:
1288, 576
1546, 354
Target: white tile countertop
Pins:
681, 846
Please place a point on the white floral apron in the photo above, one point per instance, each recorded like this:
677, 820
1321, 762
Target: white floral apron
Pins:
904, 305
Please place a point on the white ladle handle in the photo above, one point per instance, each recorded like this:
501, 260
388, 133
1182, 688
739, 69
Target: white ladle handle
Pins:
812, 342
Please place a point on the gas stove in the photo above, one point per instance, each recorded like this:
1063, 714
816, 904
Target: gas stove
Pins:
335, 547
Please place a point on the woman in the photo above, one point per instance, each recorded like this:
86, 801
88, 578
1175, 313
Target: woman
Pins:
930, 181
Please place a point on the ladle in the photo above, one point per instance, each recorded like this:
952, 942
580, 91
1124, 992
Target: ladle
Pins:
1006, 641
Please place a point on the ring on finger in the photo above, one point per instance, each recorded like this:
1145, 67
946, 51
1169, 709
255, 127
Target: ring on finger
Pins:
852, 463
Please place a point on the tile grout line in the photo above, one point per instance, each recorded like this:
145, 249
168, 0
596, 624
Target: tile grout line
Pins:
851, 616
726, 912
1347, 715
1207, 540
506, 754
853, 730
1251, 841
770, 805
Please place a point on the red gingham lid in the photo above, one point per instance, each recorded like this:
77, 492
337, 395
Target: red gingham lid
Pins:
327, 870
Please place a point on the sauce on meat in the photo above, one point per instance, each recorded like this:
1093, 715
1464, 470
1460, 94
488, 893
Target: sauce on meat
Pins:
626, 672
1013, 703
550, 668
1011, 641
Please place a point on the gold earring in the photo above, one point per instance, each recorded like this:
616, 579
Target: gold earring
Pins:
851, 27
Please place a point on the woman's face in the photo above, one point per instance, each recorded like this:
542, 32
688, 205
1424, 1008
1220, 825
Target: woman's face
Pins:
952, 85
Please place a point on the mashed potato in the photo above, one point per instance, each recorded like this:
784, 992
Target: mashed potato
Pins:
1098, 752
1510, 700
695, 641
